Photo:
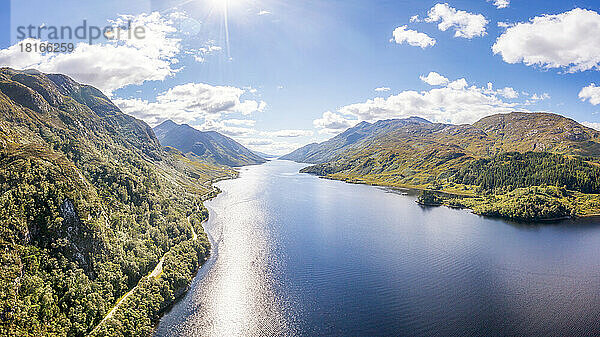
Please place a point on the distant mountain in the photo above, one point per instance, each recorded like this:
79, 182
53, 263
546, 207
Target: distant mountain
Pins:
522, 166
89, 203
209, 146
318, 153
265, 155
414, 151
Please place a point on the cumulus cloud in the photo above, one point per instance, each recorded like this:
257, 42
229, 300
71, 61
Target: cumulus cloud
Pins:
501, 3
508, 92
569, 40
200, 54
113, 64
212, 123
593, 125
465, 24
456, 103
591, 93
382, 89
459, 84
331, 122
434, 78
191, 101
267, 145
412, 37
540, 97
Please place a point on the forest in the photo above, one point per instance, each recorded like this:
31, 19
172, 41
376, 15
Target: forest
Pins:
89, 204
514, 170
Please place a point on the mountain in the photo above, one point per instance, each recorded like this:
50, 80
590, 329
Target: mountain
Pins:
318, 153
418, 154
89, 203
414, 151
208, 146
265, 155
498, 133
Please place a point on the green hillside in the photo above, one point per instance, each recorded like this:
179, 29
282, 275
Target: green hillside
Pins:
89, 203
415, 153
208, 146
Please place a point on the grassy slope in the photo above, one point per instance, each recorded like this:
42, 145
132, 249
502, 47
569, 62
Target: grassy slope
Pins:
425, 155
89, 202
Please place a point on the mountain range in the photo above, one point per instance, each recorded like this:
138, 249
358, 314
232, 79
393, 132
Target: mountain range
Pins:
207, 146
414, 151
90, 202
503, 163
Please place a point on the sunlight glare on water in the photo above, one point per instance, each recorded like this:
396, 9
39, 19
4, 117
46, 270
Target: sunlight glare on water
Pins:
298, 255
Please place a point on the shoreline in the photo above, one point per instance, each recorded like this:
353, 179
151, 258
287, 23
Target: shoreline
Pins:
212, 255
396, 188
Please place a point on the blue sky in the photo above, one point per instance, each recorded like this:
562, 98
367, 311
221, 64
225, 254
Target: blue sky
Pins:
267, 75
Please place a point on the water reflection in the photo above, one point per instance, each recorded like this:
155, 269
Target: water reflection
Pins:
298, 255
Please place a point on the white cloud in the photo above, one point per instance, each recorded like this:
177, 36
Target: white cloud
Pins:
535, 98
200, 54
456, 103
210, 48
508, 92
540, 97
434, 78
332, 122
593, 125
382, 89
213, 124
501, 3
569, 40
256, 141
465, 24
263, 12
290, 133
412, 37
591, 93
240, 122
459, 84
415, 18
275, 148
113, 64
189, 102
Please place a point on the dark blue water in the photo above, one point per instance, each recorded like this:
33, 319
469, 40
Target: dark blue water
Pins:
299, 255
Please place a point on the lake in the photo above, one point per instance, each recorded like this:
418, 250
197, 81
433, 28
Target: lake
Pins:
295, 255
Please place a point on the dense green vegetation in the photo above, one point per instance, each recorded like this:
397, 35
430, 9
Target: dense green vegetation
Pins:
490, 163
154, 294
522, 204
429, 198
89, 203
512, 170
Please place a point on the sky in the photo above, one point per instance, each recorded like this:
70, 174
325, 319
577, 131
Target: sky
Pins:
276, 75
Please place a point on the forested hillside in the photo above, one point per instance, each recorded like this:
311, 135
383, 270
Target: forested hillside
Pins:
497, 154
89, 203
